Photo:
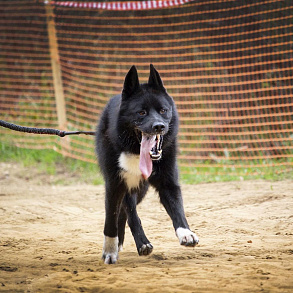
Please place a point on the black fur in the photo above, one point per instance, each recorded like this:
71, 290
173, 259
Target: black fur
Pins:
141, 108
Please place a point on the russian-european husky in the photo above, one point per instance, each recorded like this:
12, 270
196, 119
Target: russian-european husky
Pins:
136, 147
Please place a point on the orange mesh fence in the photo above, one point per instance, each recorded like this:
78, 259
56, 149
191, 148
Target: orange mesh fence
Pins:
227, 64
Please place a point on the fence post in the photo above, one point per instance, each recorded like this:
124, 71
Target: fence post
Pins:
56, 71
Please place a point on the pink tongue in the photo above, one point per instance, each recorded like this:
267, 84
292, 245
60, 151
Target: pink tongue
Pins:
145, 161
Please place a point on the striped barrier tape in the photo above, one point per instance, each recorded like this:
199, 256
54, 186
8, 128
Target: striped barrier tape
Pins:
130, 5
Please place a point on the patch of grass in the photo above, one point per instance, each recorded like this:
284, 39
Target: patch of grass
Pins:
52, 163
211, 173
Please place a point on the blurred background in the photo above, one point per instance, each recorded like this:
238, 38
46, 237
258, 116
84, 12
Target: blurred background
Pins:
227, 64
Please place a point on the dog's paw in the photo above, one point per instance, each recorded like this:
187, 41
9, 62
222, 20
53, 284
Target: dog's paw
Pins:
110, 258
110, 250
186, 237
145, 249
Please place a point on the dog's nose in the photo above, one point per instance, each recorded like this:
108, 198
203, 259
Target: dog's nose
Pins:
158, 127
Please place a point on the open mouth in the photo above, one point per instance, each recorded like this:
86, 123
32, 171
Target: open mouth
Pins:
156, 151
150, 150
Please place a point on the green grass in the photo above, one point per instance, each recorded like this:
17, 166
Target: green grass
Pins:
68, 171
212, 173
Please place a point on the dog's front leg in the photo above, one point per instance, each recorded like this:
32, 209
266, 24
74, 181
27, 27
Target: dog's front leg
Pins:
172, 201
113, 200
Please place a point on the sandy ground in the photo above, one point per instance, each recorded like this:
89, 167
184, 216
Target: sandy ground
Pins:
51, 239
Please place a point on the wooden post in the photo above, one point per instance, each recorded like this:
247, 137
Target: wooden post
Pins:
56, 68
56, 71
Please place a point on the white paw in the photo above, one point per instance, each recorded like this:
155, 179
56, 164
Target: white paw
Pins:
186, 237
110, 250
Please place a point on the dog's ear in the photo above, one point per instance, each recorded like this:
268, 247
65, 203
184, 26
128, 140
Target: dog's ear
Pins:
155, 79
131, 83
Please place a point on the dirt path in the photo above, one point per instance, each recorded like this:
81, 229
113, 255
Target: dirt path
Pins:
51, 240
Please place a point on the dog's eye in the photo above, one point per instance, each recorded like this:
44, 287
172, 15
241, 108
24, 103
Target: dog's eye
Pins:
142, 113
163, 111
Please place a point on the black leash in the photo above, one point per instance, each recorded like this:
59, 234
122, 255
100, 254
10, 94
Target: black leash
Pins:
49, 131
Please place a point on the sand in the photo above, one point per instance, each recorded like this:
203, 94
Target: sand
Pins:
51, 239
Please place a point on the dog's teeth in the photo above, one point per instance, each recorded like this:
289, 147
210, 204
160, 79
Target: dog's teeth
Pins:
158, 141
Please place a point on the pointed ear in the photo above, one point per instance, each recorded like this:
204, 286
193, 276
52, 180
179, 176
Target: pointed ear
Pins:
131, 83
155, 79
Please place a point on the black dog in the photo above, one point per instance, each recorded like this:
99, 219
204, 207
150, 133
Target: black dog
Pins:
136, 146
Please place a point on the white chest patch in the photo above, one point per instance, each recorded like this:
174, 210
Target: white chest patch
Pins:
129, 163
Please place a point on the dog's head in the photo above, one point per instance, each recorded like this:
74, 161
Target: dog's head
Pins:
148, 106
148, 110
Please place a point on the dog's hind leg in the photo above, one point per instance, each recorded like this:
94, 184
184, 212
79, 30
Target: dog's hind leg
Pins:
144, 247
121, 228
